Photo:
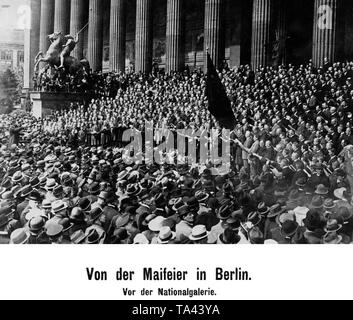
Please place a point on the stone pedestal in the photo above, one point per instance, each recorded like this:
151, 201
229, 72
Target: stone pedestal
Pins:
44, 103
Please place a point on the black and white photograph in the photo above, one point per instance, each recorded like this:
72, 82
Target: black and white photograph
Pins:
176, 122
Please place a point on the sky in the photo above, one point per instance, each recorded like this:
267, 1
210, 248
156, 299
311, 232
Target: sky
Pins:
13, 14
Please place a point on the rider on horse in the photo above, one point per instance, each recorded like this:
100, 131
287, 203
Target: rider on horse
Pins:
68, 48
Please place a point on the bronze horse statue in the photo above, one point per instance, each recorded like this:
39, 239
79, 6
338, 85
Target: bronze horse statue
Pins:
71, 65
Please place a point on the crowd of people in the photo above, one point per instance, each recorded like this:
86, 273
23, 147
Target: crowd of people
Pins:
93, 83
64, 178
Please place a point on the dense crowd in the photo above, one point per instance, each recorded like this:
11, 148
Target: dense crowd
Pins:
64, 179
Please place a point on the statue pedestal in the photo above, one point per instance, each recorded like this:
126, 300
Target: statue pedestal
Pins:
44, 103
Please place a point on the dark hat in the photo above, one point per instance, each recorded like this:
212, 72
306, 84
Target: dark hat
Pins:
78, 237
85, 204
224, 212
192, 203
254, 218
93, 237
317, 202
229, 236
294, 195
343, 214
34, 182
276, 210
77, 215
340, 173
183, 211
321, 190
133, 189
201, 196
120, 234
26, 191
66, 178
160, 200
122, 220
95, 214
178, 204
314, 220
130, 210
262, 209
256, 236
289, 228
329, 204
332, 226
146, 184
206, 174
35, 196
227, 187
58, 190
301, 182
332, 238
233, 223
94, 188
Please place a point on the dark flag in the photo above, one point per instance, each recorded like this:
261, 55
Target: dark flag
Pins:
218, 102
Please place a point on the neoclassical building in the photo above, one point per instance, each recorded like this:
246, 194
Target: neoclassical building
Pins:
121, 35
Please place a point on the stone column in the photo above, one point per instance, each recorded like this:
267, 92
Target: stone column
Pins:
262, 33
117, 35
15, 59
175, 55
46, 24
95, 35
214, 36
76, 25
279, 49
144, 36
31, 47
326, 36
62, 16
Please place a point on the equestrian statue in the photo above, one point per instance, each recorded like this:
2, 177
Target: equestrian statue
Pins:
58, 56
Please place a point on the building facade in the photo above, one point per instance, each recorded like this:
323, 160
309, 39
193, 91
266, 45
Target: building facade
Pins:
126, 35
12, 51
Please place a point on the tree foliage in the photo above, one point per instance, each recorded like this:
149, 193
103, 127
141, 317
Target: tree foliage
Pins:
10, 88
